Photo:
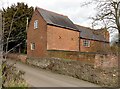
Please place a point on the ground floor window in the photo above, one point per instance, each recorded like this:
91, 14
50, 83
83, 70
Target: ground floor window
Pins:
32, 46
86, 43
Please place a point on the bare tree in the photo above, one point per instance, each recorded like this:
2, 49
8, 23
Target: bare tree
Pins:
108, 14
10, 38
10, 31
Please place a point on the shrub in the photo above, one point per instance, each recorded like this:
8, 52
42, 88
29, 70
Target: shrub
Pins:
11, 76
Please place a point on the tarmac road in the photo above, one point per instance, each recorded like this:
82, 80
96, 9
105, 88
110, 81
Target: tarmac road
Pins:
42, 78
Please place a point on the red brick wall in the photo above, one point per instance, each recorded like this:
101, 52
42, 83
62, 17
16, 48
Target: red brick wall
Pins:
37, 36
94, 46
16, 56
82, 48
62, 39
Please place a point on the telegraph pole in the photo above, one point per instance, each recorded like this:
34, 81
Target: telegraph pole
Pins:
1, 49
26, 33
1, 23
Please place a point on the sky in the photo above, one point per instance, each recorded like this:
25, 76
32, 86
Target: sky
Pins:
79, 15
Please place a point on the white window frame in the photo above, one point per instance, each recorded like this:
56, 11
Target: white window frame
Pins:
35, 24
32, 46
86, 43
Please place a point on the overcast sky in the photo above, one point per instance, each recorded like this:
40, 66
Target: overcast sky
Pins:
71, 8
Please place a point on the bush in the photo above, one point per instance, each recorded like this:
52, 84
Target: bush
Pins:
11, 77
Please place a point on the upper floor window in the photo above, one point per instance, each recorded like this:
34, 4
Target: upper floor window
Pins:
35, 24
86, 43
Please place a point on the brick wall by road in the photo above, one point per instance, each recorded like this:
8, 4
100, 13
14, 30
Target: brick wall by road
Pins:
16, 56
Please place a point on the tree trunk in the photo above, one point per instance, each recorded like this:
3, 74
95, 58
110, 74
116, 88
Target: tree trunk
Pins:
19, 48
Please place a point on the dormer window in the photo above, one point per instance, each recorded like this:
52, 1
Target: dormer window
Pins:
35, 24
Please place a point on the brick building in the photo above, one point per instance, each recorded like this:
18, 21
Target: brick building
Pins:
52, 31
93, 40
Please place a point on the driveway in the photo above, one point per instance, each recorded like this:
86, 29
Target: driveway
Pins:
42, 78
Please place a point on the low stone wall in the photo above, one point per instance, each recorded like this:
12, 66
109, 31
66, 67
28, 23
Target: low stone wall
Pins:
107, 77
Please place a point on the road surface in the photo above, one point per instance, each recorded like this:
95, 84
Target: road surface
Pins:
42, 78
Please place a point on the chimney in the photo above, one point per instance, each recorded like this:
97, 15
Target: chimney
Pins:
106, 35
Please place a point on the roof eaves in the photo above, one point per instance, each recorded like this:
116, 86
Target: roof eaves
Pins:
93, 39
63, 27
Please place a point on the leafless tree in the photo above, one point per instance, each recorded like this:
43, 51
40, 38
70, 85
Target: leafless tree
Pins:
108, 14
9, 38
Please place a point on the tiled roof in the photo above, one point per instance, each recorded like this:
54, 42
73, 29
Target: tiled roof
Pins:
89, 33
57, 19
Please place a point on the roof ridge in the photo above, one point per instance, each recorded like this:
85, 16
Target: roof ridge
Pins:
93, 30
52, 12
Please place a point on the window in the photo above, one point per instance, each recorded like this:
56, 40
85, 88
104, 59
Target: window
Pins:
32, 46
86, 43
35, 24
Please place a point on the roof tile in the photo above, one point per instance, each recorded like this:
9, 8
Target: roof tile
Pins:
57, 19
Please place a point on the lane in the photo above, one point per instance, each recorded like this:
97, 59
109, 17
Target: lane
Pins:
42, 78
